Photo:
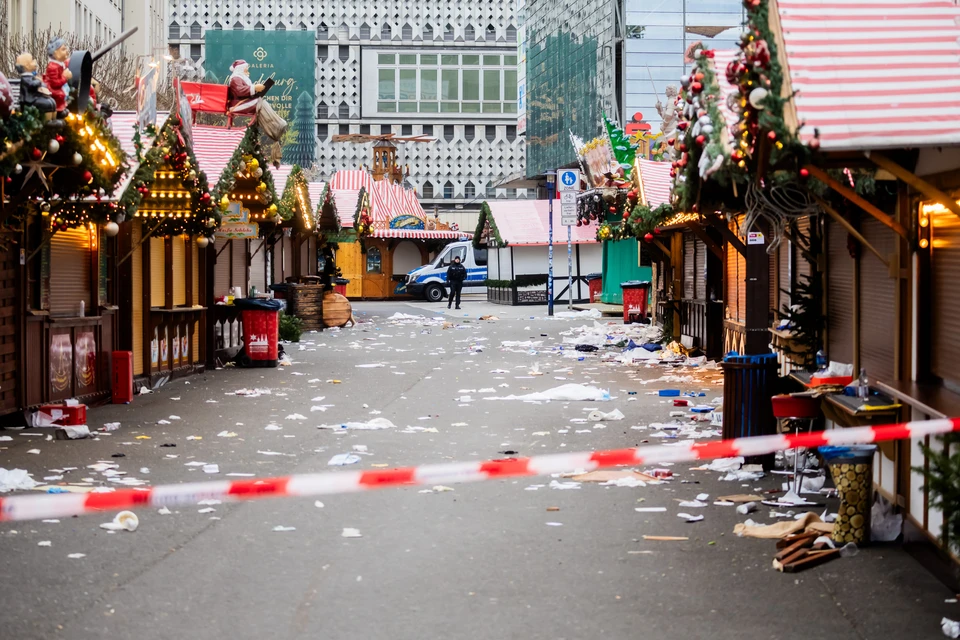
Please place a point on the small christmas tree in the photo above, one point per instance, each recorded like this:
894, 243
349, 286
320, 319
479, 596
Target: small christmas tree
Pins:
303, 148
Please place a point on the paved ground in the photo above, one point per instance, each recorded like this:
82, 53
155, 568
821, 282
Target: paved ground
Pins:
478, 562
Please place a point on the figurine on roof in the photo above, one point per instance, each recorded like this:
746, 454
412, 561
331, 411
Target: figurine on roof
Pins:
33, 93
57, 75
242, 91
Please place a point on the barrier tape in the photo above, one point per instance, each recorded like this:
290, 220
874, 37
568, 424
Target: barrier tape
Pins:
33, 507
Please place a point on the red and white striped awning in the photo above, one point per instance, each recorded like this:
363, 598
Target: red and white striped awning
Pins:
214, 147
315, 190
419, 234
874, 74
280, 176
656, 181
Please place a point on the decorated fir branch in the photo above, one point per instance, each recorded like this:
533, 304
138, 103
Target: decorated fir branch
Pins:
363, 217
702, 147
941, 475
295, 203
329, 202
17, 128
247, 164
151, 196
150, 131
486, 218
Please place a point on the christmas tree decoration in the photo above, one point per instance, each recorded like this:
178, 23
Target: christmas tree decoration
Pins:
111, 229
239, 182
202, 241
303, 150
295, 203
363, 218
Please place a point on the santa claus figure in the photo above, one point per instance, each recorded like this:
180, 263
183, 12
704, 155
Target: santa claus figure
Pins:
58, 75
242, 90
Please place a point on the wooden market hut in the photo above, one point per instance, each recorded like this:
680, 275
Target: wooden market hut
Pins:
61, 290
294, 250
170, 216
516, 237
394, 232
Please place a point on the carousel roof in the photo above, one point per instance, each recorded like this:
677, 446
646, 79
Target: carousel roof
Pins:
883, 74
388, 201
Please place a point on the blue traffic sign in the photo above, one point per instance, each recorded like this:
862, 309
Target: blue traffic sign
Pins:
569, 180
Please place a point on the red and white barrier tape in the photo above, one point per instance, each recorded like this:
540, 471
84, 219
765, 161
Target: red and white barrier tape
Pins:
33, 507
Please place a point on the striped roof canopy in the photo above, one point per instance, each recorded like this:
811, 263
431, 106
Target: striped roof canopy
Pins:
872, 74
656, 181
387, 200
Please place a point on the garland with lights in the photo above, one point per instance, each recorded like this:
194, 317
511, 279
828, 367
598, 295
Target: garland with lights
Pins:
15, 130
363, 218
168, 189
295, 203
703, 145
245, 179
151, 132
83, 155
487, 220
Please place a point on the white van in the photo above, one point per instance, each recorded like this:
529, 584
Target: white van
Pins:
430, 280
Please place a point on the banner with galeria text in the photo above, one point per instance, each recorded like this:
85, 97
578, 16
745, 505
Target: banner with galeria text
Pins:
289, 58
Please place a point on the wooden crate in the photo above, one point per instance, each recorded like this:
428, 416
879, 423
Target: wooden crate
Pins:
306, 302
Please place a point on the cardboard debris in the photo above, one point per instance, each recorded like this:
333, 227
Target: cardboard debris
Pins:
610, 476
809, 522
666, 538
741, 497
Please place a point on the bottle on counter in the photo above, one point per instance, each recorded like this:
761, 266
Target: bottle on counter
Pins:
863, 386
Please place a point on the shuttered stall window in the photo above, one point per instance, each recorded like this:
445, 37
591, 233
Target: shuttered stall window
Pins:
287, 257
136, 275
70, 272
195, 274
689, 266
877, 322
839, 295
221, 271
158, 272
772, 267
783, 275
276, 263
239, 278
305, 257
258, 265
195, 343
802, 266
736, 285
179, 271
945, 341
699, 270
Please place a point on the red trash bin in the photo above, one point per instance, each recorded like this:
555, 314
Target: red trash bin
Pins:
122, 391
634, 300
340, 286
261, 331
595, 282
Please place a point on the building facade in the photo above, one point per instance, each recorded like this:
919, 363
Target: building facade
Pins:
92, 19
448, 71
657, 37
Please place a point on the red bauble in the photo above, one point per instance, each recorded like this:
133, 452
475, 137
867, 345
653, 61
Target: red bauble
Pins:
648, 237
60, 138
87, 177
696, 87
682, 125
772, 135
670, 142
682, 147
613, 209
673, 173
36, 154
815, 143
804, 173
698, 77
205, 197
656, 231
695, 207
701, 139
626, 214
579, 223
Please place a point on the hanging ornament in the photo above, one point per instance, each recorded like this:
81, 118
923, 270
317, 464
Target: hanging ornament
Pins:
18, 169
202, 241
111, 229
701, 139
224, 202
258, 172
656, 231
804, 174
757, 96
87, 177
205, 198
648, 237
53, 146
192, 175
772, 135
77, 158
36, 154
45, 207
815, 143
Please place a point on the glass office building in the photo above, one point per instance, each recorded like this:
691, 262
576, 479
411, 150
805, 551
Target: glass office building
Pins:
657, 35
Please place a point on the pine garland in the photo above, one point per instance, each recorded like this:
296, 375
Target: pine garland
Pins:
486, 216
288, 201
15, 131
247, 151
362, 218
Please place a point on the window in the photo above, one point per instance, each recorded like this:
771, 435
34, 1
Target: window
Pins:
323, 131
511, 132
471, 61
344, 129
510, 85
343, 33
491, 84
448, 132
364, 31
480, 257
259, 26
406, 130
491, 32
449, 61
469, 33
322, 111
408, 58
427, 32
448, 190
195, 31
428, 84
509, 61
408, 84
174, 51
428, 129
387, 86
238, 26
407, 32
490, 133
511, 33
471, 84
449, 84
344, 110
385, 33
280, 27
322, 52
427, 190
323, 33
344, 53
428, 59
303, 26
173, 31
491, 61
448, 33
365, 129
374, 263
512, 193
386, 58
195, 52
469, 190
469, 132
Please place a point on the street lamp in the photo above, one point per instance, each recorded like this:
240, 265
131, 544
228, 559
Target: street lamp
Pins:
551, 183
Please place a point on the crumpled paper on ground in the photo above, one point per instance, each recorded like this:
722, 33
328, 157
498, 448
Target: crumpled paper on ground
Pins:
598, 416
15, 479
809, 522
564, 393
370, 425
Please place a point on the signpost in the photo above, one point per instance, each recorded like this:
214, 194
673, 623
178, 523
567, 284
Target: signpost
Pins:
569, 188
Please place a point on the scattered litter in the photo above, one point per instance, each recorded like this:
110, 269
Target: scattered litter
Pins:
351, 533
554, 524
36, 452
437, 489
563, 486
666, 538
950, 628
77, 556
689, 518
740, 497
747, 507
807, 522
563, 393
44, 543
553, 508
206, 510
15, 479
227, 434
343, 459
164, 511
211, 468
692, 504
283, 528
650, 509
615, 478
318, 504
296, 416
123, 521
597, 415
373, 424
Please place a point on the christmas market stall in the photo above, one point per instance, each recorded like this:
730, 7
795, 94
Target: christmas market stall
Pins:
59, 198
164, 253
515, 234
607, 163
394, 235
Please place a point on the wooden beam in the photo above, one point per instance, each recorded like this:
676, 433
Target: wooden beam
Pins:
852, 196
701, 233
662, 248
728, 235
914, 181
833, 213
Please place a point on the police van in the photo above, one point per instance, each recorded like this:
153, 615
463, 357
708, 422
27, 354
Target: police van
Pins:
430, 280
